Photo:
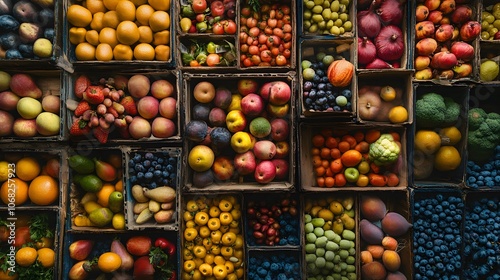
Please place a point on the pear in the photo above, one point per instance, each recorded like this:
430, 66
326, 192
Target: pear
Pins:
105, 171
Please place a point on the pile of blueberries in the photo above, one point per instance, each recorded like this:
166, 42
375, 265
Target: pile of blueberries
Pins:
486, 174
482, 239
276, 266
437, 236
320, 95
152, 170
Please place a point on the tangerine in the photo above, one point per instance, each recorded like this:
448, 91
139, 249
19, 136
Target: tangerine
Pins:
110, 4
125, 10
454, 135
104, 52
46, 257
145, 34
108, 36
92, 37
78, 15
20, 191
26, 256
161, 38
447, 159
398, 114
110, 19
95, 6
127, 32
43, 190
27, 168
103, 194
160, 5
85, 51
144, 51
123, 52
109, 262
96, 23
159, 20
143, 13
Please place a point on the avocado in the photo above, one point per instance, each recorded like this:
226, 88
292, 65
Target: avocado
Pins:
91, 183
81, 164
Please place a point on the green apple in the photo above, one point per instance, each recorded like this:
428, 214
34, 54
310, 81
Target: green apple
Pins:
29, 108
351, 174
48, 124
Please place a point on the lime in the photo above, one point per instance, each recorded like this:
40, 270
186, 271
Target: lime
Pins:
81, 164
91, 183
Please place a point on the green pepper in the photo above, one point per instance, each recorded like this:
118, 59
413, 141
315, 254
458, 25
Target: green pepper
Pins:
211, 47
187, 11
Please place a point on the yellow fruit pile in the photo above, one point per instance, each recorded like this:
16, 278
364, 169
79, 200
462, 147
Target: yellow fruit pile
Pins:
107, 30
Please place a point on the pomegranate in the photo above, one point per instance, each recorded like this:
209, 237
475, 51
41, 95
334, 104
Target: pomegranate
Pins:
461, 14
470, 30
463, 51
426, 46
421, 13
435, 17
424, 29
443, 61
422, 62
389, 43
462, 70
447, 6
366, 51
432, 4
444, 33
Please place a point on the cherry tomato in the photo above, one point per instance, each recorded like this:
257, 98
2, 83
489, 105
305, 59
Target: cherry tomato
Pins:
281, 60
255, 59
244, 48
247, 62
266, 56
246, 11
272, 22
253, 50
254, 32
230, 27
218, 28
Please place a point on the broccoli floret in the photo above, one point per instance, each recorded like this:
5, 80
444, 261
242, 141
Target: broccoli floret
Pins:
452, 111
476, 117
484, 134
429, 110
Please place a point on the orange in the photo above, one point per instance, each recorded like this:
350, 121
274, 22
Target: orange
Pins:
123, 52
108, 36
160, 5
96, 23
125, 10
95, 6
43, 190
85, 51
162, 52
398, 114
452, 133
78, 15
110, 4
159, 21
20, 191
143, 13
447, 159
5, 170
110, 19
144, 51
427, 141
104, 193
77, 35
109, 262
119, 186
46, 257
92, 37
27, 168
127, 32
145, 34
388, 93
137, 3
104, 52
26, 256
5, 275
161, 38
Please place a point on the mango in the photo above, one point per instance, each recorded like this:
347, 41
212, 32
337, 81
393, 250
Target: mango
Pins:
370, 232
373, 271
395, 225
391, 260
372, 208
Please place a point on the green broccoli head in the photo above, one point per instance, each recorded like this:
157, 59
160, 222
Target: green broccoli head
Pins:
452, 111
476, 118
430, 110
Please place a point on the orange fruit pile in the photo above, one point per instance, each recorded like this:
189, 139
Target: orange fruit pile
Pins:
120, 30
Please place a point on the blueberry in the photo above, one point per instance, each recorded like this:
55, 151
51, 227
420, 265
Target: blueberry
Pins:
347, 93
312, 93
140, 175
157, 173
324, 79
148, 175
337, 108
321, 86
307, 86
149, 156
170, 168
153, 185
329, 86
146, 163
316, 78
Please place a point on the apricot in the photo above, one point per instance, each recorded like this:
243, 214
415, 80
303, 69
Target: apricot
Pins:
351, 158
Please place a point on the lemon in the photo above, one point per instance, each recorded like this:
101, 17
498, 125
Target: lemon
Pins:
427, 141
388, 93
4, 171
118, 221
398, 114
488, 71
447, 159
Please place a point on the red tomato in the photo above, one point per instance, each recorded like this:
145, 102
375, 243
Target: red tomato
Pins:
265, 56
262, 25
287, 19
263, 48
244, 48
254, 31
278, 32
281, 60
265, 64
268, 30
243, 22
255, 60
287, 53
253, 50
250, 41
218, 28
251, 22
272, 22
275, 40
22, 236
279, 23
243, 36
246, 11
217, 8
230, 27
272, 14
287, 28
262, 39
265, 8
287, 37
287, 45
199, 6
285, 9
213, 59
275, 51
279, 14
247, 62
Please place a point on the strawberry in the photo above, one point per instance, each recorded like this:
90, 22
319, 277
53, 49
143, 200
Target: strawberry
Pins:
94, 95
81, 85
81, 108
79, 127
101, 134
129, 104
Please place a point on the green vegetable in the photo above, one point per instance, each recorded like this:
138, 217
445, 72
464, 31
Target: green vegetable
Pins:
484, 134
384, 151
433, 110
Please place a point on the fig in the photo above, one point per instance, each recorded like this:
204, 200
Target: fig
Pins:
395, 225
397, 275
370, 232
372, 208
373, 271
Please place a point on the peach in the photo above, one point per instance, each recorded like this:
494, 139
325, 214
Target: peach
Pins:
168, 107
162, 127
148, 107
162, 89
139, 128
51, 103
8, 100
138, 86
391, 260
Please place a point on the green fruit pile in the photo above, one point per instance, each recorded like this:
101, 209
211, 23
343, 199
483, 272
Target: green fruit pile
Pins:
490, 22
326, 17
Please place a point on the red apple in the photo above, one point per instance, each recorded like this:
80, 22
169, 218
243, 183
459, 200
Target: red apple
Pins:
264, 149
280, 93
162, 127
162, 89
252, 105
280, 130
204, 92
282, 168
245, 163
265, 90
278, 111
265, 172
247, 86
223, 168
282, 149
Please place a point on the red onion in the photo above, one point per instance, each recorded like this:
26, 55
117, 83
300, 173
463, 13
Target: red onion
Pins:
366, 51
389, 43
378, 63
462, 51
390, 12
368, 23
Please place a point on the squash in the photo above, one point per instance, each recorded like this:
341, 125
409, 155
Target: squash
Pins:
340, 73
